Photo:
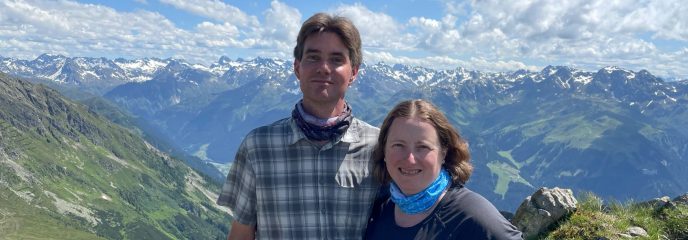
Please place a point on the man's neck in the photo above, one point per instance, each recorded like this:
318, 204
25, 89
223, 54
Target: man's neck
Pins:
324, 110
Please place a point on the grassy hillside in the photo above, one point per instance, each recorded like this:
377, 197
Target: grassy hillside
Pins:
596, 220
68, 173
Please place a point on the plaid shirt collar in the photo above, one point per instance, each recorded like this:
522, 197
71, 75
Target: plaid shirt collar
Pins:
352, 135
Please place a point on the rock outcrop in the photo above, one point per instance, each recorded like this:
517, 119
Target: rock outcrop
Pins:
542, 209
683, 199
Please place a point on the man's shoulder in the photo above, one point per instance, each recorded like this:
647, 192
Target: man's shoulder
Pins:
360, 131
280, 127
365, 127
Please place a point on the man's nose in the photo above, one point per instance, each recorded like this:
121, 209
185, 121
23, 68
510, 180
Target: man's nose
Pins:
324, 67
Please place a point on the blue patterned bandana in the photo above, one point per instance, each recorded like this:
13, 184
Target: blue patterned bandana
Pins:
422, 201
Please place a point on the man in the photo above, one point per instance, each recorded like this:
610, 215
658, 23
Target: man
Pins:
308, 176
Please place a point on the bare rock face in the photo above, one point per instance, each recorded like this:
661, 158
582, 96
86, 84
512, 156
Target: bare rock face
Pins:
658, 202
683, 199
540, 210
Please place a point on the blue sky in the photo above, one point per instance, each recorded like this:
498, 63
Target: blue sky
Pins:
485, 35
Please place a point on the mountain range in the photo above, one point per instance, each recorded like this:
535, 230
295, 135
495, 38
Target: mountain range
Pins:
615, 132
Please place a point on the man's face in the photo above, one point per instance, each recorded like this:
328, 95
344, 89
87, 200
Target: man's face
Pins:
325, 70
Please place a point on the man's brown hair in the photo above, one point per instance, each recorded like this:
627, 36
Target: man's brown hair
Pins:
343, 27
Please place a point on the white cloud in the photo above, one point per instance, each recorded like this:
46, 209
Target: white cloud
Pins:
425, 24
216, 10
484, 35
49, 26
217, 35
378, 30
580, 31
280, 28
447, 62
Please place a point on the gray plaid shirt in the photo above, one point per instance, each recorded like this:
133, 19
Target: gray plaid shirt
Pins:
294, 189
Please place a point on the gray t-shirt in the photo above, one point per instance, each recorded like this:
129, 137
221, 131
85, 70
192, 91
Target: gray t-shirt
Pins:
461, 214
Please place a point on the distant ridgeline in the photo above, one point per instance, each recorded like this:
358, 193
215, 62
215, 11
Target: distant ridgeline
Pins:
618, 133
69, 173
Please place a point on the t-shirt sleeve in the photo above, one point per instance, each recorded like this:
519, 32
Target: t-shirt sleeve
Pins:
239, 190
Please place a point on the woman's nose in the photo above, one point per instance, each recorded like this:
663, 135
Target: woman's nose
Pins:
410, 157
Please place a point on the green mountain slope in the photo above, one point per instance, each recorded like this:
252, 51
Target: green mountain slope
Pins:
68, 173
582, 143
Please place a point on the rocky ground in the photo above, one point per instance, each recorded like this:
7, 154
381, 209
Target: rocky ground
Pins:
557, 214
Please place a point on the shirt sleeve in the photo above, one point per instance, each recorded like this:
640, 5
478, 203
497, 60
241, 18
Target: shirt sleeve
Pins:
239, 190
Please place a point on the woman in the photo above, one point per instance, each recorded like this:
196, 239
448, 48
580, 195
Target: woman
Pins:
423, 162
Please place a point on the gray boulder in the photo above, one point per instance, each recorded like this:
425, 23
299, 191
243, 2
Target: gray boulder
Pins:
542, 209
683, 199
657, 203
636, 232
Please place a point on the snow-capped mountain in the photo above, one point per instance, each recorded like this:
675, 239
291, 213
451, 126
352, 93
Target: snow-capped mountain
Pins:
616, 132
141, 70
96, 74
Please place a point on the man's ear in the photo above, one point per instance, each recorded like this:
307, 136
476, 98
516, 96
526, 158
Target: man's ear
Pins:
297, 64
354, 74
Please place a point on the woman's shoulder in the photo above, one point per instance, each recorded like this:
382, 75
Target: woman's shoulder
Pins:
473, 213
461, 196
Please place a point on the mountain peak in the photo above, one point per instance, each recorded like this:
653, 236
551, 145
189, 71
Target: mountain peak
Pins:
224, 60
610, 69
51, 55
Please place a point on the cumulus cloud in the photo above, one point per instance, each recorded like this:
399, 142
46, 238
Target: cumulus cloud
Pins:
280, 28
49, 26
580, 31
488, 35
446, 62
216, 10
378, 30
29, 28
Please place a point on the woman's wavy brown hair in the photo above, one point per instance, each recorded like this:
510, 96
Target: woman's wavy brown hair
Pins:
457, 158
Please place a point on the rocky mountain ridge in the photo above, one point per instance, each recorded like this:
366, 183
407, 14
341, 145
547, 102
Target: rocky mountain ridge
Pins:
614, 132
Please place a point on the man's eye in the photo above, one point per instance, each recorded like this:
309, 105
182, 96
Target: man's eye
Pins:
338, 60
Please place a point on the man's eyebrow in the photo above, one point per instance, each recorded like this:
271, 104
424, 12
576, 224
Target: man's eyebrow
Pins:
311, 50
339, 54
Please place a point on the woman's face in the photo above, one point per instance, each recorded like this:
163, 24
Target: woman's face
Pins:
413, 154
